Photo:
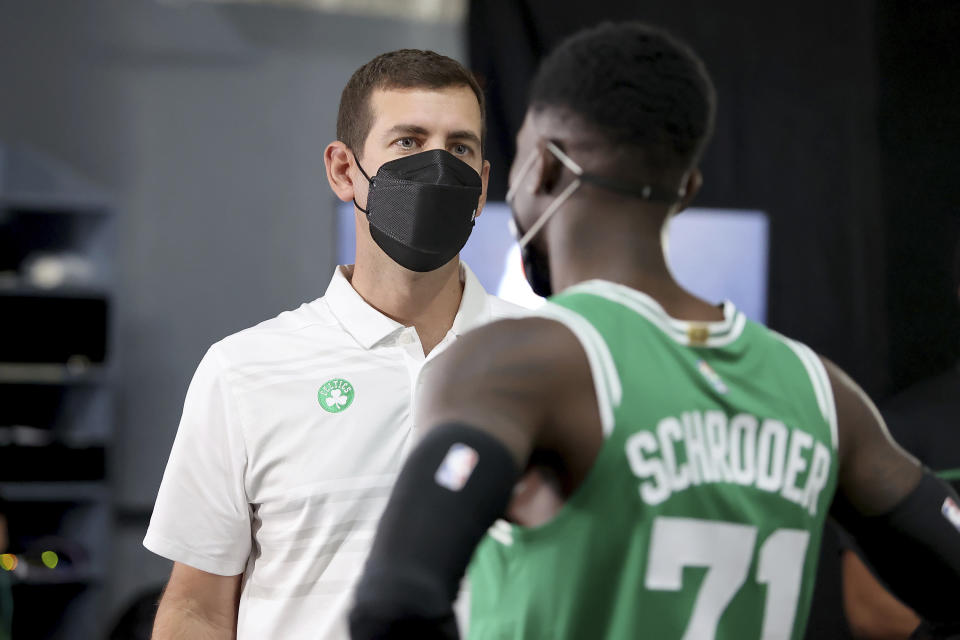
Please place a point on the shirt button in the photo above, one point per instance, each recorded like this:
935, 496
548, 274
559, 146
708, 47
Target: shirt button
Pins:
406, 338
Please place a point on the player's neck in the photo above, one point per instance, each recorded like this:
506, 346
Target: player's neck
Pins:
427, 301
633, 260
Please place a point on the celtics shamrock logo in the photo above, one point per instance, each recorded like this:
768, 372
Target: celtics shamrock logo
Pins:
336, 395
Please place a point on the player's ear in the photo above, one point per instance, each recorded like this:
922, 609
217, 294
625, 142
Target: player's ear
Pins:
692, 184
548, 170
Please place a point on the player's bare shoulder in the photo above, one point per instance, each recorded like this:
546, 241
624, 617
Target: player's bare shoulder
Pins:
875, 473
511, 351
507, 375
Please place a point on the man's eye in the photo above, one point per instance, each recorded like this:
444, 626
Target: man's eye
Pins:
461, 149
406, 143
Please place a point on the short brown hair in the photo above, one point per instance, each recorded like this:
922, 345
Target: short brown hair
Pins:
401, 69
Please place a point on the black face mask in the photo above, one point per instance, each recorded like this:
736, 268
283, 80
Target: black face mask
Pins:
421, 208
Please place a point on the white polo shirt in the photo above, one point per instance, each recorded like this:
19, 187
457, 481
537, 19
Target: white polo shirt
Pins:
293, 432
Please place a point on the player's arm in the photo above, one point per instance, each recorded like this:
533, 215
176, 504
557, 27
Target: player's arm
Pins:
483, 407
899, 512
197, 605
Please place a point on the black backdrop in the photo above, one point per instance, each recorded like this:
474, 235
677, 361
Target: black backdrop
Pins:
841, 120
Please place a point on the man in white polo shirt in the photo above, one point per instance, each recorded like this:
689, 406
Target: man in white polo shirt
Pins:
293, 431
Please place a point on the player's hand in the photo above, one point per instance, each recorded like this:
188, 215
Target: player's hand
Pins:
536, 498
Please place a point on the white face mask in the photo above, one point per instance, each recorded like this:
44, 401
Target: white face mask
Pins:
535, 263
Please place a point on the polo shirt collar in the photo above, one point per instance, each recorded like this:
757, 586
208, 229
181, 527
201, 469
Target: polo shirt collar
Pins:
474, 305
368, 326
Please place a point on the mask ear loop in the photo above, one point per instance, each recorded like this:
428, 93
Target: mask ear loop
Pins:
552, 209
560, 199
565, 159
646, 192
359, 166
524, 168
672, 213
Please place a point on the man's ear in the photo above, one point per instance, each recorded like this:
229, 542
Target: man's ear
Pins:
484, 180
337, 158
692, 186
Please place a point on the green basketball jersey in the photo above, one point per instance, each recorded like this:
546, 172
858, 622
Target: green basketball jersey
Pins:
702, 515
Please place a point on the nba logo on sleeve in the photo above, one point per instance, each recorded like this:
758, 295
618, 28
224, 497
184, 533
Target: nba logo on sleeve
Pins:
951, 512
456, 467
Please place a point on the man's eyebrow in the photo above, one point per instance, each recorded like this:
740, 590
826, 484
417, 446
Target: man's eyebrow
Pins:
409, 129
465, 135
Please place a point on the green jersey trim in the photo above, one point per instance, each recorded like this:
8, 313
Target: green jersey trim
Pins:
606, 379
820, 381
691, 334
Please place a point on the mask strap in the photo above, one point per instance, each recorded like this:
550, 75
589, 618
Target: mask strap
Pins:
564, 158
366, 211
359, 166
524, 168
646, 192
553, 208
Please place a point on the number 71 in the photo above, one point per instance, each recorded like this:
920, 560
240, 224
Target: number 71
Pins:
726, 549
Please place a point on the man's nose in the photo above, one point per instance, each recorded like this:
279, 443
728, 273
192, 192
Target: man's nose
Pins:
432, 144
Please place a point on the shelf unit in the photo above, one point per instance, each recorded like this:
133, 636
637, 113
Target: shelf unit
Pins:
56, 392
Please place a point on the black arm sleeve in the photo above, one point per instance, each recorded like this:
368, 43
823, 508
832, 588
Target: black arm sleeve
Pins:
457, 481
915, 549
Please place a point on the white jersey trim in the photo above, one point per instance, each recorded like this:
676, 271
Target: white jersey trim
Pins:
719, 334
820, 381
606, 379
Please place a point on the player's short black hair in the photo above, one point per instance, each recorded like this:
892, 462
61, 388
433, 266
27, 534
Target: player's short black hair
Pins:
638, 86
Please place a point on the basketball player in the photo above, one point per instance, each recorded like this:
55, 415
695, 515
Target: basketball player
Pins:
697, 453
